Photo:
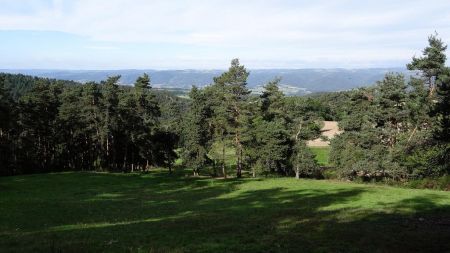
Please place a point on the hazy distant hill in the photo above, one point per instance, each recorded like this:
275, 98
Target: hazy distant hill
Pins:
294, 81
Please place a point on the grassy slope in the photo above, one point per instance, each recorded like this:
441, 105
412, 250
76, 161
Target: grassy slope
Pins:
322, 154
79, 212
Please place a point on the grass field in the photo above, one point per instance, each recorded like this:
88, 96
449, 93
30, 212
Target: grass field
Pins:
322, 155
156, 212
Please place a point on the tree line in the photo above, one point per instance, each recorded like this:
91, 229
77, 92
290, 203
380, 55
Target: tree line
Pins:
49, 125
396, 130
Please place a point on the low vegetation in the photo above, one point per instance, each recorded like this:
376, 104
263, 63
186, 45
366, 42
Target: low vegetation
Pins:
158, 212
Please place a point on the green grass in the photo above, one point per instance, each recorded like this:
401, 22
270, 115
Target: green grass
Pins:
322, 155
95, 212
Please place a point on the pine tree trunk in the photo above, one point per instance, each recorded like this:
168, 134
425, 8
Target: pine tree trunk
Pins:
239, 168
224, 171
239, 157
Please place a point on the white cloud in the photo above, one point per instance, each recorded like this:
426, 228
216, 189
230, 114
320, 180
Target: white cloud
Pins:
329, 31
102, 47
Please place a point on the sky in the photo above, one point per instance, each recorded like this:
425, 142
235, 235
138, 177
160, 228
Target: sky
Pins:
196, 34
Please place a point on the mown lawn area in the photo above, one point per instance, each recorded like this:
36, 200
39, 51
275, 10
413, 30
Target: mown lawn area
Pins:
157, 212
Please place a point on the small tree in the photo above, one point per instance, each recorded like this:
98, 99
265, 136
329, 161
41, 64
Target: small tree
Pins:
304, 161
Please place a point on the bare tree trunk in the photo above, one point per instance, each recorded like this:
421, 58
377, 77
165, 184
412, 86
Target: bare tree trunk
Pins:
297, 172
413, 132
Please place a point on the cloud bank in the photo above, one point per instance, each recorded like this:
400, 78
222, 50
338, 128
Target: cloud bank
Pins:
207, 34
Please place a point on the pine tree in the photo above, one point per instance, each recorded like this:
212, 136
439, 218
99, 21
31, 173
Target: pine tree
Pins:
111, 119
436, 75
71, 145
267, 134
235, 97
432, 63
7, 119
442, 108
391, 112
37, 119
196, 134
220, 122
147, 113
92, 117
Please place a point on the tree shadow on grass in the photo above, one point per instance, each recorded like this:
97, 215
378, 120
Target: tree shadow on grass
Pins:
160, 214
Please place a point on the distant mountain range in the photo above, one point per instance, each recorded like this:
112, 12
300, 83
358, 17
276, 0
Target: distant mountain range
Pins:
294, 81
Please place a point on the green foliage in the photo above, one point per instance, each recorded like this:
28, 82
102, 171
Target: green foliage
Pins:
7, 126
267, 140
441, 183
231, 88
442, 107
375, 123
18, 84
395, 130
304, 161
93, 126
196, 132
431, 63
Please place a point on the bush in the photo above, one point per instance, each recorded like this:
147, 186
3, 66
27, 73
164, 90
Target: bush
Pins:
441, 183
330, 173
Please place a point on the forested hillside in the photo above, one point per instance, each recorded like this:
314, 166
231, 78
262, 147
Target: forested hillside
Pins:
397, 130
294, 81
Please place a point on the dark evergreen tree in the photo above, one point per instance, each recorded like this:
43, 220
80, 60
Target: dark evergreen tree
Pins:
92, 118
7, 136
432, 63
38, 123
236, 94
391, 112
196, 132
71, 127
110, 128
220, 123
267, 134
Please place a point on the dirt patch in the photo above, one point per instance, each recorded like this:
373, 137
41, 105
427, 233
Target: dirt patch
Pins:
330, 129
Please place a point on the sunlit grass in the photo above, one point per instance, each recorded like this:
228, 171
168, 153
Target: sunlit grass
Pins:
322, 155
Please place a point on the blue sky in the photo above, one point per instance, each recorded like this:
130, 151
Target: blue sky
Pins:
195, 34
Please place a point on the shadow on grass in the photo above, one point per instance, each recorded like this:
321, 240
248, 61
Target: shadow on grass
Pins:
81, 212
